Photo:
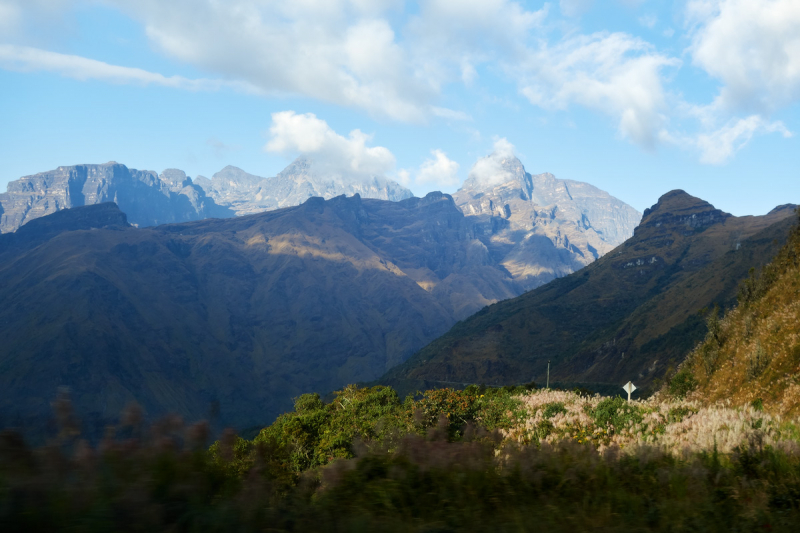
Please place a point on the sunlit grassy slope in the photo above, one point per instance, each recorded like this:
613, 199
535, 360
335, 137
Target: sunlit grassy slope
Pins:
753, 353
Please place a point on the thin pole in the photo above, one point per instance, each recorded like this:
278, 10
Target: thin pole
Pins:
548, 375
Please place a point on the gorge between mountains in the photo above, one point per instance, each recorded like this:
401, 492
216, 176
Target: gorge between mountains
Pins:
236, 294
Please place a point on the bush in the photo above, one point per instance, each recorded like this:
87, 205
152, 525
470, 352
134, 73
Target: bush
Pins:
682, 383
553, 408
616, 412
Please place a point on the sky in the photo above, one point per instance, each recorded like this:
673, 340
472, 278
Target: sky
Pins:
637, 97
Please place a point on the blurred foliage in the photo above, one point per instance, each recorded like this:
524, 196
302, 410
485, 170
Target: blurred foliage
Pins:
316, 433
397, 467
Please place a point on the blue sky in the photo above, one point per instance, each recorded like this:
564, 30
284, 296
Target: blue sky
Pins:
637, 97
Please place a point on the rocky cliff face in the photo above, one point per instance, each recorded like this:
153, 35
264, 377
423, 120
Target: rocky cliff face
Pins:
247, 194
146, 198
539, 227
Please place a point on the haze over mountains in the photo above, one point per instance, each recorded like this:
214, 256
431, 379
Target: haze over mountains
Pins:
632, 314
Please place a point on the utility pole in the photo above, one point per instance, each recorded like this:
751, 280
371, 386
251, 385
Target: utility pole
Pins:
548, 374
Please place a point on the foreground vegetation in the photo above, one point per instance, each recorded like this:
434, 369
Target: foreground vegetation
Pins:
717, 450
481, 459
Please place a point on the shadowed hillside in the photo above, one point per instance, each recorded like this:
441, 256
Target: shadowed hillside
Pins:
632, 314
229, 319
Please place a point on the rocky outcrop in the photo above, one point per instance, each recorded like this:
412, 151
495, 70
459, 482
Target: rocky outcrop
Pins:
539, 227
146, 198
678, 210
247, 194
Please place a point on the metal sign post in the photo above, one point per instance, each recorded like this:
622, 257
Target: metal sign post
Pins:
629, 388
548, 375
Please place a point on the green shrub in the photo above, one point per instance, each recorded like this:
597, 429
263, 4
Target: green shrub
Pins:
553, 408
682, 383
616, 412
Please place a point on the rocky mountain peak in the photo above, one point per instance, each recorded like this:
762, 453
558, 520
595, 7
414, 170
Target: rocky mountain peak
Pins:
145, 197
679, 208
302, 179
175, 179
497, 170
236, 176
552, 226
299, 167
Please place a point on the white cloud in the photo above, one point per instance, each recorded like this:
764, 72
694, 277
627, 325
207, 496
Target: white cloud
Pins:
338, 51
615, 74
305, 134
752, 47
394, 61
449, 39
27, 59
489, 170
719, 146
294, 134
439, 171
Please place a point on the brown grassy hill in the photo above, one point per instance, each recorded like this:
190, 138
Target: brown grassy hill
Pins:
241, 313
753, 353
632, 314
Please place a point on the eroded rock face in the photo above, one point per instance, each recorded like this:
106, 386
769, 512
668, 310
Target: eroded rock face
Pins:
540, 227
247, 194
145, 197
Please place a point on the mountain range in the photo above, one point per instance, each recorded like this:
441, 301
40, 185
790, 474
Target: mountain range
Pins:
633, 314
147, 198
245, 312
302, 179
150, 199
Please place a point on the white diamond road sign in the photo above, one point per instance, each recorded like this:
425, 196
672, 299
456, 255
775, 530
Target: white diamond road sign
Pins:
629, 388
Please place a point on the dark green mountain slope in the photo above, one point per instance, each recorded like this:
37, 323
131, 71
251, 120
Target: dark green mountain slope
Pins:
243, 313
632, 314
